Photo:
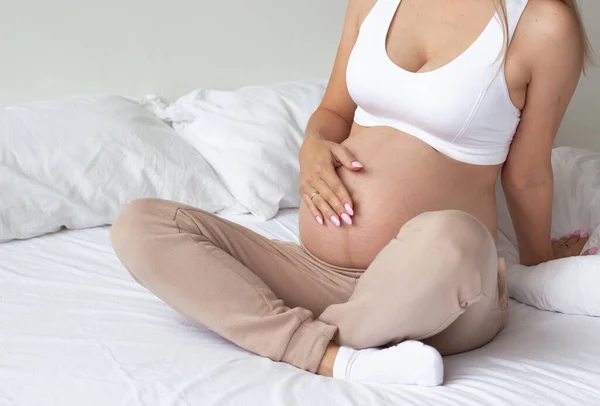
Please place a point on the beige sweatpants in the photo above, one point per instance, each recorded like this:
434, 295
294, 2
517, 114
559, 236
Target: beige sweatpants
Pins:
439, 281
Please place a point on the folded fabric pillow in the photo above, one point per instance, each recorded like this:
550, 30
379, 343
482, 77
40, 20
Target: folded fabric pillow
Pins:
251, 137
75, 163
567, 285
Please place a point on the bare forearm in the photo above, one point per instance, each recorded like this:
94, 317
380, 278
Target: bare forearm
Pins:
531, 211
328, 125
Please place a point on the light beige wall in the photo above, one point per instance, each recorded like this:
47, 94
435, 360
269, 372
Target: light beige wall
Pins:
51, 48
581, 126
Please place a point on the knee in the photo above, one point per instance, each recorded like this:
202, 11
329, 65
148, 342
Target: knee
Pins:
456, 236
134, 221
134, 231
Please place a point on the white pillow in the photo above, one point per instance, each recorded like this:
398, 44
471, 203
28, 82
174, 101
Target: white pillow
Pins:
75, 163
251, 137
568, 285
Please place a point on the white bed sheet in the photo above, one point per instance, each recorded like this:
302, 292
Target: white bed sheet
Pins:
76, 329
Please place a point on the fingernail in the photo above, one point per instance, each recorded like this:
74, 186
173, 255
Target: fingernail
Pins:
357, 164
577, 232
335, 220
319, 220
593, 251
346, 218
585, 235
349, 209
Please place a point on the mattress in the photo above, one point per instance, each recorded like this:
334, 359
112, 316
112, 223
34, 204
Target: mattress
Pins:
76, 329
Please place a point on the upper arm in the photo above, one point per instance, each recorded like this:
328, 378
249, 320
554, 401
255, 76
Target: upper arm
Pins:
552, 43
337, 98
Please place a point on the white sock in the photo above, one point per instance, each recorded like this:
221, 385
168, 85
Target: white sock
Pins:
408, 363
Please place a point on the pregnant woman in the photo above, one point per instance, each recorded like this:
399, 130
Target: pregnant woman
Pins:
428, 103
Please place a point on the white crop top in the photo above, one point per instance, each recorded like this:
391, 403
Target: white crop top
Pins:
462, 109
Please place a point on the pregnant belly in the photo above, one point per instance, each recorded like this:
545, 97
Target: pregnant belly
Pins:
402, 177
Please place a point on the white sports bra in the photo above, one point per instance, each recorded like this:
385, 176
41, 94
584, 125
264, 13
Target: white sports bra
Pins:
462, 109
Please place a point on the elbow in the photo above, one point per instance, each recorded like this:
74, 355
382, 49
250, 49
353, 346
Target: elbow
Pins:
523, 180
347, 118
517, 183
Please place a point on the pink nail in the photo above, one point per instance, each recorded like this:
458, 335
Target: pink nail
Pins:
349, 209
357, 164
335, 220
577, 232
593, 251
319, 220
585, 235
346, 218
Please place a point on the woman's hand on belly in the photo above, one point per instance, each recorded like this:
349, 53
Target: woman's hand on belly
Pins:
322, 190
402, 178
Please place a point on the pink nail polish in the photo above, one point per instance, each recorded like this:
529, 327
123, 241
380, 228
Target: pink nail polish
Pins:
349, 209
576, 232
357, 164
594, 251
585, 235
346, 218
319, 220
335, 220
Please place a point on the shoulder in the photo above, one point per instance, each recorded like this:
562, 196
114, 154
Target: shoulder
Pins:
551, 29
360, 8
549, 38
551, 19
362, 4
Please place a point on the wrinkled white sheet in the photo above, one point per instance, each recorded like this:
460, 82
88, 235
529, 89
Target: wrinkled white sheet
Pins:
76, 329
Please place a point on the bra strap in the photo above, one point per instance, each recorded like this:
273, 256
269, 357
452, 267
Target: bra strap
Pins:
514, 11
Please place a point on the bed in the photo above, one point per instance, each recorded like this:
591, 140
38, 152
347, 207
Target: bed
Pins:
77, 329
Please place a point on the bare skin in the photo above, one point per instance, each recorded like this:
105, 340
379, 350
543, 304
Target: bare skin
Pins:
377, 178
401, 178
571, 245
326, 367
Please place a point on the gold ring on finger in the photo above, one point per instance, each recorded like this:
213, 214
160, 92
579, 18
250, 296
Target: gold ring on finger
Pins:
313, 195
